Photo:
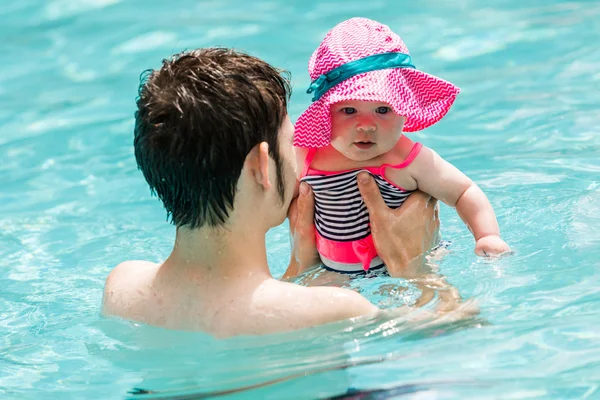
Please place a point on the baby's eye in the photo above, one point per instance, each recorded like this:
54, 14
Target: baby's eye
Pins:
349, 110
383, 110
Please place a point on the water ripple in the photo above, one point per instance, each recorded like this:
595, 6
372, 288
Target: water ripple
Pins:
73, 205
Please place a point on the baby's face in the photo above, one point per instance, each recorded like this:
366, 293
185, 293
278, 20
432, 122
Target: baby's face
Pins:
362, 130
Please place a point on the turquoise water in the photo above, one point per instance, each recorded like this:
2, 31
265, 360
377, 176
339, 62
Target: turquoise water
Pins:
73, 205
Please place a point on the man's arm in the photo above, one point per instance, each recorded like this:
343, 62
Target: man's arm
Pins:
331, 304
402, 238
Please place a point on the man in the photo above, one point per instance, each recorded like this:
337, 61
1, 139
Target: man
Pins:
214, 142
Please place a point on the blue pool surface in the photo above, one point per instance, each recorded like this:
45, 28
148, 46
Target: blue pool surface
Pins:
73, 204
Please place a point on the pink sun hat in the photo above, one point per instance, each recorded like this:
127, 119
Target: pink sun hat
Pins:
361, 59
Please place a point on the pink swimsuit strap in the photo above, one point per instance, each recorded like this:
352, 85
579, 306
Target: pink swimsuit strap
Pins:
307, 161
374, 170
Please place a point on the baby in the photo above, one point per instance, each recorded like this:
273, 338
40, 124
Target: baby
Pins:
366, 93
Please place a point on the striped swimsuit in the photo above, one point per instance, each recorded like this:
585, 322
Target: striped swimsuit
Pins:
343, 232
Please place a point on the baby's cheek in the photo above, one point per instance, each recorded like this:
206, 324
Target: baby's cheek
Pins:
340, 146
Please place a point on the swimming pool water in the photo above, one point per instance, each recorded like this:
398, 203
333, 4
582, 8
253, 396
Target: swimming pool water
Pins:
73, 205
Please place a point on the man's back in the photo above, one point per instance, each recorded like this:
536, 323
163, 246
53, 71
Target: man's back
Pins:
240, 305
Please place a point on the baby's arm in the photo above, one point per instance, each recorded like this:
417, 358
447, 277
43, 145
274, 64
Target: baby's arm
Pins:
445, 182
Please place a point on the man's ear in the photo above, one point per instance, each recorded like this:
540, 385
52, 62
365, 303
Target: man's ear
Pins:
258, 163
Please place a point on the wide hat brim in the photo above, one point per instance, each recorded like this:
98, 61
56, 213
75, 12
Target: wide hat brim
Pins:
422, 98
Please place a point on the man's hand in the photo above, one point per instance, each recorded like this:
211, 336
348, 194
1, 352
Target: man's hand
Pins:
401, 236
302, 229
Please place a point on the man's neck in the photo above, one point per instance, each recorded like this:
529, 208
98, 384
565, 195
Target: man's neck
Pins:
224, 252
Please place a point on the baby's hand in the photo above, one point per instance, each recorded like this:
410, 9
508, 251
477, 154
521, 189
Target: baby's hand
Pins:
491, 245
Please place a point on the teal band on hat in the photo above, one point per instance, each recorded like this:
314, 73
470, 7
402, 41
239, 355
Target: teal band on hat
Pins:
371, 63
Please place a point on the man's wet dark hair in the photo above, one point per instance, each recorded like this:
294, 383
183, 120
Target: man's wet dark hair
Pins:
197, 119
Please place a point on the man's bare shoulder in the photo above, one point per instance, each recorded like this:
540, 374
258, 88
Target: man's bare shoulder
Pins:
322, 304
345, 303
123, 285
